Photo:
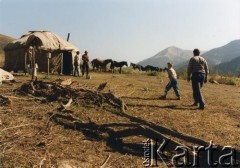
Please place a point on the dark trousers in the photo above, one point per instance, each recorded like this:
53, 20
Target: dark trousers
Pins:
173, 83
197, 83
85, 66
76, 70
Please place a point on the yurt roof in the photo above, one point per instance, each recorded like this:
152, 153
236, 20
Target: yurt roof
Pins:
45, 40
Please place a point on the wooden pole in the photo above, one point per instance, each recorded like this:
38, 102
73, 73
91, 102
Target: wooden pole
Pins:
49, 55
25, 62
68, 36
61, 63
33, 62
48, 66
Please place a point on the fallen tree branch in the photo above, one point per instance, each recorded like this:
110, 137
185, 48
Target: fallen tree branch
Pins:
66, 106
5, 129
105, 162
115, 101
26, 99
32, 97
49, 118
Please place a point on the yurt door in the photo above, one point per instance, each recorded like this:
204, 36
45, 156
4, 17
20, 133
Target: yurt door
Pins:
67, 63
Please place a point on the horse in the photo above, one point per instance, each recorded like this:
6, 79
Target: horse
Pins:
151, 68
136, 66
118, 64
96, 63
143, 68
164, 70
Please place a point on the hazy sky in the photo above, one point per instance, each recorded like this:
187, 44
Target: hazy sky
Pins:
130, 30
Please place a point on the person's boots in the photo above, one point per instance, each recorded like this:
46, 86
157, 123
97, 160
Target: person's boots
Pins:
195, 104
201, 107
179, 98
163, 97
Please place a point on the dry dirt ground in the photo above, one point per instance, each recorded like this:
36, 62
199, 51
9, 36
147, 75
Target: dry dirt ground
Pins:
36, 134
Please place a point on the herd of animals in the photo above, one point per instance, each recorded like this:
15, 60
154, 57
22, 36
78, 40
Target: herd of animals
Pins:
101, 65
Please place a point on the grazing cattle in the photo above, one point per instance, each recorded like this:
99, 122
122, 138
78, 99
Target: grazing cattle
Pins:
151, 68
136, 66
99, 63
118, 65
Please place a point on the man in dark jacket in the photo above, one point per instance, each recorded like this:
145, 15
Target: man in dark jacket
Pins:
197, 72
85, 65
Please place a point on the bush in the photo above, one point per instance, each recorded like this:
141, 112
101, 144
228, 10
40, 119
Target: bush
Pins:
153, 73
224, 80
182, 75
127, 70
231, 82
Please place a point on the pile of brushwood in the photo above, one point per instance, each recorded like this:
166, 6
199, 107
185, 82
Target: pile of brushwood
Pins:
67, 95
4, 101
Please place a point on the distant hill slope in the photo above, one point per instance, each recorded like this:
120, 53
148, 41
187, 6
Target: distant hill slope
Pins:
171, 54
232, 67
3, 41
223, 54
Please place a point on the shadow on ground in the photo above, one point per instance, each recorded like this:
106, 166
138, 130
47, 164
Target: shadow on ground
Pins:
114, 138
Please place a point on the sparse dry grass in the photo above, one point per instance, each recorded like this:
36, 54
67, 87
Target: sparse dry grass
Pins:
228, 80
29, 138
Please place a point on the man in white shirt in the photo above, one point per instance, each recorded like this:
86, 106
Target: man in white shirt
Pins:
173, 83
76, 64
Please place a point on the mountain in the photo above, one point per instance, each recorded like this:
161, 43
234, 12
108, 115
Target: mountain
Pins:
171, 54
180, 57
219, 56
3, 41
229, 68
223, 54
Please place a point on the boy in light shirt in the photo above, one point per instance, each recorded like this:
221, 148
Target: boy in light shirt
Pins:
173, 83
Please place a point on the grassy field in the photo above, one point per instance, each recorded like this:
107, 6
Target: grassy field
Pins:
107, 137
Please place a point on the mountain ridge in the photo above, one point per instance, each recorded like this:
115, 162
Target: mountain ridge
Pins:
218, 58
171, 54
223, 53
229, 68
